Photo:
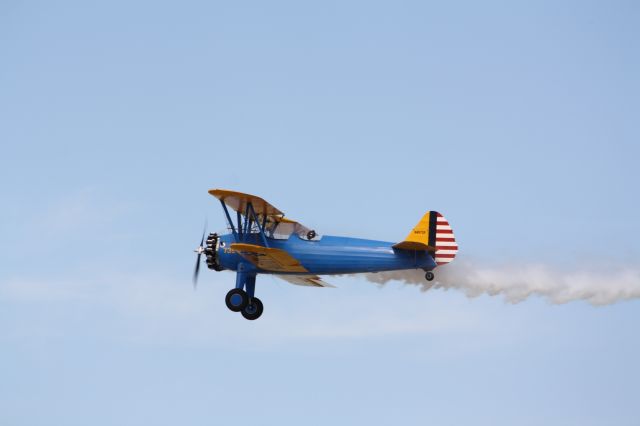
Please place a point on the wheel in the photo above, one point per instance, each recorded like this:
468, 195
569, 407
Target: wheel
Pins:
253, 310
429, 276
311, 235
236, 300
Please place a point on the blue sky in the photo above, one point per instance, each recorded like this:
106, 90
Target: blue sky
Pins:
517, 120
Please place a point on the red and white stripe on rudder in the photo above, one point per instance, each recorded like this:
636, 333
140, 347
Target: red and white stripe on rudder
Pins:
446, 246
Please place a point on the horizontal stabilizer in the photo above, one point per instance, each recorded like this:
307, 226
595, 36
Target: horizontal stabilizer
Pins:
413, 245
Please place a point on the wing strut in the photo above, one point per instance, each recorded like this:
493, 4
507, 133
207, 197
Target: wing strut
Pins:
226, 212
243, 228
257, 222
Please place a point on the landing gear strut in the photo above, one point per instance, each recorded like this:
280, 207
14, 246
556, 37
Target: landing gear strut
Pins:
429, 276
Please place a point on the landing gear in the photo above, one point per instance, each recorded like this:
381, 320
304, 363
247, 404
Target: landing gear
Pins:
242, 298
253, 310
429, 276
237, 300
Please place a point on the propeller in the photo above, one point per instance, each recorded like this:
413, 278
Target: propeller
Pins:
199, 250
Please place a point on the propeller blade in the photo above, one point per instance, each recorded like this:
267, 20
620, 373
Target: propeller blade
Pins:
199, 250
204, 231
196, 272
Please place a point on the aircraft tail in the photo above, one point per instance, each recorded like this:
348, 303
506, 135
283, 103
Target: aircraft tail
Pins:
433, 234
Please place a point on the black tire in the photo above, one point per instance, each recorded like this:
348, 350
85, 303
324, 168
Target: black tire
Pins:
253, 310
236, 307
429, 276
311, 235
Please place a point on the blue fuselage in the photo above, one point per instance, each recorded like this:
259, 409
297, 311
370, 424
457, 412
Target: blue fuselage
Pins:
332, 255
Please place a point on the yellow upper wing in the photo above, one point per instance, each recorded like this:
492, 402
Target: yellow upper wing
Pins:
269, 259
275, 220
238, 201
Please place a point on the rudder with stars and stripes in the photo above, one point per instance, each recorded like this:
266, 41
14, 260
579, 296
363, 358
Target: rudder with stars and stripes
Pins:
443, 239
434, 235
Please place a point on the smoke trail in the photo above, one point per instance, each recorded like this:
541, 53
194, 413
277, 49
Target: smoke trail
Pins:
516, 283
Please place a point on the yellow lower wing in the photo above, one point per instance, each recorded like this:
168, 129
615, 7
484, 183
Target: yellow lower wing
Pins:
305, 280
269, 259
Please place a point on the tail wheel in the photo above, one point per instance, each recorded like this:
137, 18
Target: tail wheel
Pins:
236, 300
429, 276
253, 310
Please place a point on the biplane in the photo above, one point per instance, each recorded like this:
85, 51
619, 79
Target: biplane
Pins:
262, 240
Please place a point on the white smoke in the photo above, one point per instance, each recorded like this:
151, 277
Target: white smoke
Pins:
516, 283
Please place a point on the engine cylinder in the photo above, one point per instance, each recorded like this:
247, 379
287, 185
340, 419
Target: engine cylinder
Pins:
211, 251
